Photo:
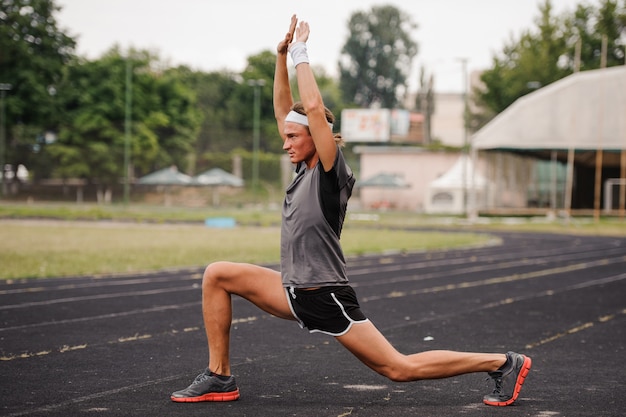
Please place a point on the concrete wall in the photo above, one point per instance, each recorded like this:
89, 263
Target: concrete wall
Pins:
447, 121
417, 166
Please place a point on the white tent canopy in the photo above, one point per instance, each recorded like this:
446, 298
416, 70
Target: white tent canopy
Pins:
217, 177
584, 111
166, 176
460, 176
448, 193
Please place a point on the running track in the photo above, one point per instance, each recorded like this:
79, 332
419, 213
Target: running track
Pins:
117, 346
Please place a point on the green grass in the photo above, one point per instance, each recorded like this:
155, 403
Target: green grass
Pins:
51, 249
66, 241
134, 213
264, 216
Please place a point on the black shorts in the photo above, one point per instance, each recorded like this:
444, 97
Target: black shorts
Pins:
330, 310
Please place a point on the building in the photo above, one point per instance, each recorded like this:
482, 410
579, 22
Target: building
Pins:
578, 122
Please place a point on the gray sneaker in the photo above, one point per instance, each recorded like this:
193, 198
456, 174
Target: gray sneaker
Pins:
208, 387
509, 380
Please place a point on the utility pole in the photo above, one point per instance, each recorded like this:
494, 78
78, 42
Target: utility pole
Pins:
256, 84
127, 129
4, 87
600, 149
464, 153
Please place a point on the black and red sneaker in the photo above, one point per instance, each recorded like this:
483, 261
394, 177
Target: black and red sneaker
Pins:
509, 380
208, 387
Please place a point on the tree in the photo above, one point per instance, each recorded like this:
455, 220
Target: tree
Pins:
525, 63
586, 28
376, 60
260, 67
178, 104
219, 128
92, 137
33, 53
547, 54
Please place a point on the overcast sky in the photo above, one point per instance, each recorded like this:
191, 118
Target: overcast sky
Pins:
211, 35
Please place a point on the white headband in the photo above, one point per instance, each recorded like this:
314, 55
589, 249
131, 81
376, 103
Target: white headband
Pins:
301, 119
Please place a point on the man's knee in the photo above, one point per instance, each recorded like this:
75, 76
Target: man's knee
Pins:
397, 371
214, 273
397, 375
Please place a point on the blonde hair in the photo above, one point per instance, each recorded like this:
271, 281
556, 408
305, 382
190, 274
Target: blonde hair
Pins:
298, 107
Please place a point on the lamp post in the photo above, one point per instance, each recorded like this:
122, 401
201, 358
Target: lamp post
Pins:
4, 87
256, 84
465, 136
127, 129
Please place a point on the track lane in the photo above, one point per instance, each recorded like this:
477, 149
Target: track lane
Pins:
99, 341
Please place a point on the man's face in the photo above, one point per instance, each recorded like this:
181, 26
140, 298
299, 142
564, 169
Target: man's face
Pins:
298, 143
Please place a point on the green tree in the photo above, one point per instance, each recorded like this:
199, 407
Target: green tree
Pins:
376, 60
586, 27
178, 104
219, 129
33, 53
546, 54
525, 63
91, 140
260, 68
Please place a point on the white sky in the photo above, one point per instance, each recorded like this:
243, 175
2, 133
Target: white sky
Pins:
211, 35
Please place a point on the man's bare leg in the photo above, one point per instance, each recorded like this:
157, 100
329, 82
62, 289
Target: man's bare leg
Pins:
508, 371
261, 286
372, 348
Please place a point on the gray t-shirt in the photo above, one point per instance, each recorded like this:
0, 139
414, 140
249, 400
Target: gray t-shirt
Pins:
313, 213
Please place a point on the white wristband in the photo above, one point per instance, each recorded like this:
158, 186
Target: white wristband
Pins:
298, 53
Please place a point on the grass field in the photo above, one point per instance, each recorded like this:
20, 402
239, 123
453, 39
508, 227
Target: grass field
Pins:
54, 248
51, 240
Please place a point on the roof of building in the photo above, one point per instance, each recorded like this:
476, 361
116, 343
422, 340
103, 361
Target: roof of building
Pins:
584, 111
